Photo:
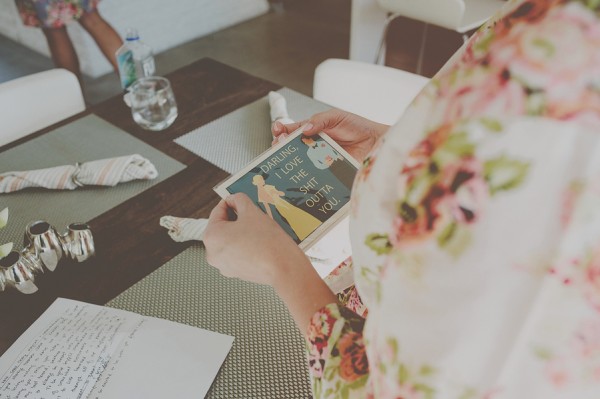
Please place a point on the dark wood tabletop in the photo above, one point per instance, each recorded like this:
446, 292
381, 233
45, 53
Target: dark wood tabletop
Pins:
130, 244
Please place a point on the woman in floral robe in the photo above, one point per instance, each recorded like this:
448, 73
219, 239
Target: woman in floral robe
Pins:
475, 227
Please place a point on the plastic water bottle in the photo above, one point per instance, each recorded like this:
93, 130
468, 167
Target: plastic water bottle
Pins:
142, 54
126, 65
134, 59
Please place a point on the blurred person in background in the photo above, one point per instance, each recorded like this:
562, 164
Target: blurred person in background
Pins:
52, 16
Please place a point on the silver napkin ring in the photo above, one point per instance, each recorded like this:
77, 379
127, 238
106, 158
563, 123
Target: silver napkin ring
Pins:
79, 242
43, 251
45, 243
18, 273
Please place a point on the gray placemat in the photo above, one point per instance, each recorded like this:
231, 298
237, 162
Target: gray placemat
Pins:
267, 359
235, 139
85, 139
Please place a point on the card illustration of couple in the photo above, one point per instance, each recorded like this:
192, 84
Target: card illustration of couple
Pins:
303, 184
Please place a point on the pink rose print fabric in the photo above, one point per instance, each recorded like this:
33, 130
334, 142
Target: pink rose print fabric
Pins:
53, 13
476, 227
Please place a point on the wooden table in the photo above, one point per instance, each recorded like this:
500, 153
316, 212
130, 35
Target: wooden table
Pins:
129, 242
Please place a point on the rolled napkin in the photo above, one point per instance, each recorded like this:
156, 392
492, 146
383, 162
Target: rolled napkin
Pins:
184, 229
279, 110
279, 113
102, 172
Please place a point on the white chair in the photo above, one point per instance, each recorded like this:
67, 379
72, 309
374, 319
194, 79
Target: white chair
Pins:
35, 101
375, 92
458, 15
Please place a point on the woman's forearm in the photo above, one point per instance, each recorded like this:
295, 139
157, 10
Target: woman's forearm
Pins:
302, 290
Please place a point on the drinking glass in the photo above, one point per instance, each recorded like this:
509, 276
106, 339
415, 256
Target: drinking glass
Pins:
152, 103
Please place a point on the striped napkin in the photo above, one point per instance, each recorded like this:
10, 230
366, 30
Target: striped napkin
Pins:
103, 172
184, 229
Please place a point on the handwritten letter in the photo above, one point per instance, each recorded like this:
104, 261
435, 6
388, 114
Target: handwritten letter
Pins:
77, 350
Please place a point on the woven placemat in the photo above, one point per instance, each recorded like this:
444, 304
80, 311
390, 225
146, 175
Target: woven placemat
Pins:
86, 139
267, 359
232, 141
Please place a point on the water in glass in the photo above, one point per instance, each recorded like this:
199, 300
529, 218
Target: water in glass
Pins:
153, 104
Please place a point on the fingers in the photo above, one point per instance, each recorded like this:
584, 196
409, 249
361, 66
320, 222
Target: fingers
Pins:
279, 139
239, 202
279, 128
219, 213
324, 121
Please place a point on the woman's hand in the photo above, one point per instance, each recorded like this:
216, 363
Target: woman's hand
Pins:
252, 247
354, 133
255, 248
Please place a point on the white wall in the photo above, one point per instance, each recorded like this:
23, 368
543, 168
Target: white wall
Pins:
161, 24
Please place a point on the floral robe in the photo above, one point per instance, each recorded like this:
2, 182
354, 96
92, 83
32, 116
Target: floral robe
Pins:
53, 13
476, 226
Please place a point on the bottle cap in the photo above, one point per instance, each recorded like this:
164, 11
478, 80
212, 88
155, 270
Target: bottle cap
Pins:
131, 34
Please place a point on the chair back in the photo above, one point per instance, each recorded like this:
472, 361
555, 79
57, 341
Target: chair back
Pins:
35, 101
445, 13
375, 92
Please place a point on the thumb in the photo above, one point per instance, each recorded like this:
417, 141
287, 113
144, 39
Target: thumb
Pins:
218, 214
239, 202
322, 121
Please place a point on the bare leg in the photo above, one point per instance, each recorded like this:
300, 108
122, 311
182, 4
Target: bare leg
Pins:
62, 50
103, 34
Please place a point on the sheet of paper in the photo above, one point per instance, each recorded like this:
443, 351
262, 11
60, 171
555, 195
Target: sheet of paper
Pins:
78, 350
332, 248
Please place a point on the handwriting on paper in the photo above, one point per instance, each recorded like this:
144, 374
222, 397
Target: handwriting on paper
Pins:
68, 357
76, 350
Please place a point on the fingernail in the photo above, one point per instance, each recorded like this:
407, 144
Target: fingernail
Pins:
276, 127
307, 127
